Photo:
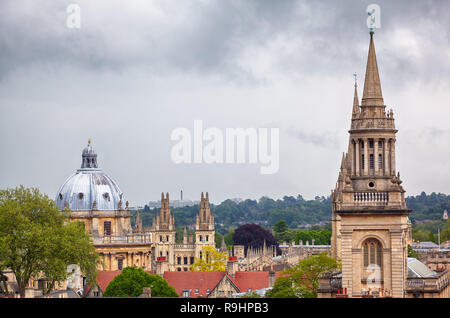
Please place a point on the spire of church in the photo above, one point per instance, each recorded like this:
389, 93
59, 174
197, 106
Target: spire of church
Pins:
355, 99
372, 95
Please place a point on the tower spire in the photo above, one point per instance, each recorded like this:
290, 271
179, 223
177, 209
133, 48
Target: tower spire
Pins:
372, 87
355, 99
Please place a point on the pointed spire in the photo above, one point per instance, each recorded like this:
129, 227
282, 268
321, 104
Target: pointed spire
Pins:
343, 161
372, 87
355, 99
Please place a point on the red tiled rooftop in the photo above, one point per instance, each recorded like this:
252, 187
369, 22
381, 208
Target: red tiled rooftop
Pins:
193, 280
252, 280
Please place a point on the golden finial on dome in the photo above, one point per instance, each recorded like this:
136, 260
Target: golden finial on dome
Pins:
89, 141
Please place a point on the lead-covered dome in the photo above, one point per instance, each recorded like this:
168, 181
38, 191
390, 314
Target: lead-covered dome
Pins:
89, 187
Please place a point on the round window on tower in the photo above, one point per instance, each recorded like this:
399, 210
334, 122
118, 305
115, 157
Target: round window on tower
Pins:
106, 196
371, 184
80, 195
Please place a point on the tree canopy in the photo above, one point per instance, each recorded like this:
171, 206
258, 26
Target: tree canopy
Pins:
253, 235
302, 280
211, 260
38, 241
131, 281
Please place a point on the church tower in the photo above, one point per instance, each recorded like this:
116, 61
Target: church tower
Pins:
369, 213
164, 234
204, 226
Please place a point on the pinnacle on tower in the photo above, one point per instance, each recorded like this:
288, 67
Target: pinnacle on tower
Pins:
355, 101
372, 95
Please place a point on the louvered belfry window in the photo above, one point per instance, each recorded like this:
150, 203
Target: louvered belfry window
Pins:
372, 253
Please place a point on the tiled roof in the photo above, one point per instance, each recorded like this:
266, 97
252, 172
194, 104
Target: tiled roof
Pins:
208, 280
193, 281
251, 280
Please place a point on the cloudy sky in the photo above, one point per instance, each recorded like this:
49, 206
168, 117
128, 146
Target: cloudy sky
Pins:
136, 70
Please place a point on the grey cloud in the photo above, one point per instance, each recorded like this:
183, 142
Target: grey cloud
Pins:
325, 139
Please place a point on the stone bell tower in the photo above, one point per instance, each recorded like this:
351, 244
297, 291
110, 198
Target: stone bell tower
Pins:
164, 235
204, 226
369, 213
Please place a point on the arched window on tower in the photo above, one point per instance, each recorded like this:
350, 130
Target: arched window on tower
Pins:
372, 261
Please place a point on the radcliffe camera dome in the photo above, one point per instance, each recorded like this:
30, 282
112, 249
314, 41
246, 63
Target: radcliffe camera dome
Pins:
89, 185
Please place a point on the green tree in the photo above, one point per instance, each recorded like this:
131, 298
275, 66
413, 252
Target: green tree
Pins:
412, 253
302, 280
131, 281
445, 234
37, 240
211, 260
229, 237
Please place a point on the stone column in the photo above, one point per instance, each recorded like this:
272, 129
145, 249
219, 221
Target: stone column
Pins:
356, 264
357, 154
347, 261
375, 155
386, 157
393, 156
366, 157
397, 263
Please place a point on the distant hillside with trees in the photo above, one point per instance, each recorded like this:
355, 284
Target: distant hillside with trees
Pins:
295, 211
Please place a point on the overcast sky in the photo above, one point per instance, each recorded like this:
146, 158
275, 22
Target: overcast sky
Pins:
136, 70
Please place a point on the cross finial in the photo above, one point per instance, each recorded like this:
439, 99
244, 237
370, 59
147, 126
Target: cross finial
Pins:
355, 76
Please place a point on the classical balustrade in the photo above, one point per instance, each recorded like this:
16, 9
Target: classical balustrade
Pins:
377, 197
134, 238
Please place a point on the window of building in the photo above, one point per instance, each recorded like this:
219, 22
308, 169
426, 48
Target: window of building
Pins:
207, 237
179, 260
371, 162
196, 290
208, 291
179, 269
380, 161
362, 161
372, 253
107, 228
185, 259
119, 263
192, 260
167, 238
201, 238
370, 143
380, 144
186, 292
160, 238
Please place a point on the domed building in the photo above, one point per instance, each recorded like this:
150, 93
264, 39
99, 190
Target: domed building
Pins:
89, 187
92, 197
